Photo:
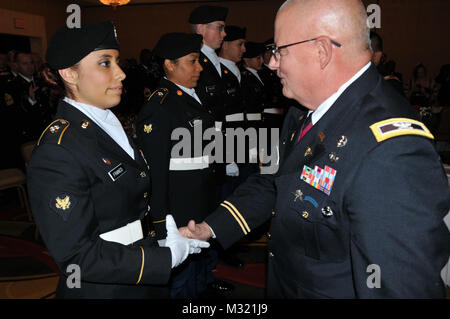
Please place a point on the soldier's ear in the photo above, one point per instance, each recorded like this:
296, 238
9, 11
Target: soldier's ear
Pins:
200, 29
169, 65
69, 75
325, 51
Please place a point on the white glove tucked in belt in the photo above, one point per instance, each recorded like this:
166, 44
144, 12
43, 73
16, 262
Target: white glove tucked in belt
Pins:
180, 247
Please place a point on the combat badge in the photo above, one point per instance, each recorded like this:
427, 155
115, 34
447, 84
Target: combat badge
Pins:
399, 126
63, 204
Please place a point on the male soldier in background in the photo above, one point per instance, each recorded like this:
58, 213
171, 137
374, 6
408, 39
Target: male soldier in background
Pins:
209, 21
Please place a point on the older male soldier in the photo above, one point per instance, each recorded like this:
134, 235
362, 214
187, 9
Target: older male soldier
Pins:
358, 201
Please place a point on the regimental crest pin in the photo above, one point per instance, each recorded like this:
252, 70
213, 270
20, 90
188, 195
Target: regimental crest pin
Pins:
321, 136
308, 151
342, 141
54, 129
85, 124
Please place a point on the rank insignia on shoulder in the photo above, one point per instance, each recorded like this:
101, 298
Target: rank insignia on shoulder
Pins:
63, 204
160, 93
58, 126
393, 127
148, 128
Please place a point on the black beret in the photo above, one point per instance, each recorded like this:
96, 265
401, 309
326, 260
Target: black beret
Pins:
176, 45
68, 46
253, 49
234, 32
207, 14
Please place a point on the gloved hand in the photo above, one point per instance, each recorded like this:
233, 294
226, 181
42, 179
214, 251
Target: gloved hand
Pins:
180, 247
232, 170
253, 155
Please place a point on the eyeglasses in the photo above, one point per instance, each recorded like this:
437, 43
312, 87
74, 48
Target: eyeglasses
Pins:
277, 51
219, 27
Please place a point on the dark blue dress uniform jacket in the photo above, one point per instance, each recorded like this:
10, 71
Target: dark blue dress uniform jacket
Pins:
74, 200
184, 193
385, 209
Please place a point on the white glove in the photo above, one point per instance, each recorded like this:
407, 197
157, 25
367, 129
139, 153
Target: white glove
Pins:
253, 155
232, 170
180, 247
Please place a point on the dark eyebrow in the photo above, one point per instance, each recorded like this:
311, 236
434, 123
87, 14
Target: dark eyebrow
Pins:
109, 56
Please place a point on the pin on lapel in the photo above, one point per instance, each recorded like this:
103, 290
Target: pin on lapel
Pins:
85, 124
333, 157
148, 128
342, 141
321, 136
308, 151
292, 136
327, 211
106, 161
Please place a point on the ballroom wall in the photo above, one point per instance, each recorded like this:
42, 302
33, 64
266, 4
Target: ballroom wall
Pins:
413, 30
141, 26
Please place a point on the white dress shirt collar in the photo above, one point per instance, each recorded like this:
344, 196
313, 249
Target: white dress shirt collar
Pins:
212, 56
190, 92
231, 65
107, 121
325, 106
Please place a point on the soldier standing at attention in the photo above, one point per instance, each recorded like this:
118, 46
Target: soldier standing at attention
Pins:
182, 184
89, 185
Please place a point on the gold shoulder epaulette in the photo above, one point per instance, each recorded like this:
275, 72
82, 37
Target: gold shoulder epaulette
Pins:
393, 127
160, 93
57, 128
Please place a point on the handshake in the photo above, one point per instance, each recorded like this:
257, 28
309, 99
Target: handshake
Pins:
186, 240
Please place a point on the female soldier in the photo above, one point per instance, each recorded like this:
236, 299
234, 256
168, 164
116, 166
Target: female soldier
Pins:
182, 184
89, 186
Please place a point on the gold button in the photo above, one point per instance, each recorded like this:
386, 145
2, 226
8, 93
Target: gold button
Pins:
269, 235
273, 213
145, 195
305, 214
271, 255
152, 233
143, 175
